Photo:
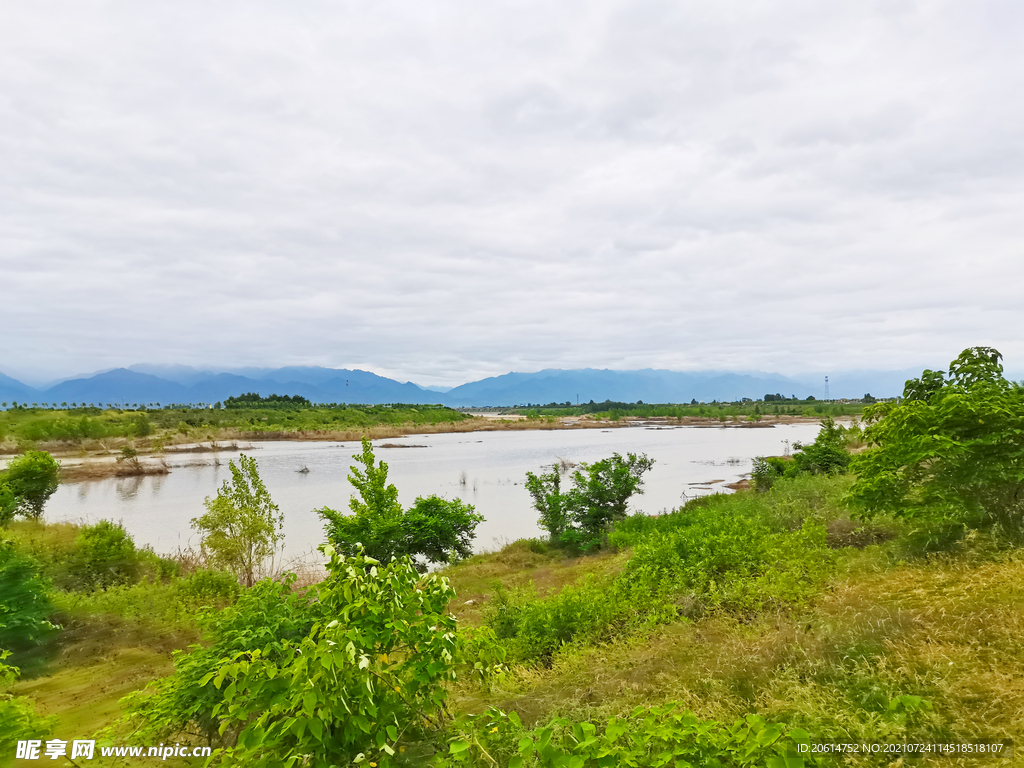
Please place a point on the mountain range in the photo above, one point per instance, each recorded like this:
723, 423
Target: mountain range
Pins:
183, 384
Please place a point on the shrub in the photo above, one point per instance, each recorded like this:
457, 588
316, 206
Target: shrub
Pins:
104, 555
267, 618
439, 530
27, 483
599, 497
372, 669
24, 606
18, 714
667, 735
242, 527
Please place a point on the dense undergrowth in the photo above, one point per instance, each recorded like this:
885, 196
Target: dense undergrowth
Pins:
731, 630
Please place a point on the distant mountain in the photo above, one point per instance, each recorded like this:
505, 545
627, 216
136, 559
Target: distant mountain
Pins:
118, 386
14, 390
183, 384
651, 386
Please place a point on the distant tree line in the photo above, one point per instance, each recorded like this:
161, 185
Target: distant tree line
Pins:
250, 399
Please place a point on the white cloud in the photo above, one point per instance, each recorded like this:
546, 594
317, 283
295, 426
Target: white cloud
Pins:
441, 192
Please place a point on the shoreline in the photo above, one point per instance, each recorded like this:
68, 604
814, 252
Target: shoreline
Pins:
104, 463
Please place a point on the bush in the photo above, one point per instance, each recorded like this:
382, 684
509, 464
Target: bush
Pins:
370, 671
104, 555
599, 497
667, 735
267, 618
18, 714
954, 448
439, 530
27, 483
24, 606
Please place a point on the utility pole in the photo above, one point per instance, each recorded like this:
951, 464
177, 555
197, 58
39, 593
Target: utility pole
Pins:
827, 400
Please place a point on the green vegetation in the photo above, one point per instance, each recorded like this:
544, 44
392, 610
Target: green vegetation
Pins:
151, 425
26, 484
436, 529
876, 605
747, 408
242, 527
580, 518
952, 449
826, 455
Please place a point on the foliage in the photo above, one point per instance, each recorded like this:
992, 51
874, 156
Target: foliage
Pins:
250, 398
24, 606
599, 497
369, 674
104, 555
154, 604
440, 530
30, 479
241, 528
954, 447
827, 455
18, 715
667, 735
741, 553
270, 617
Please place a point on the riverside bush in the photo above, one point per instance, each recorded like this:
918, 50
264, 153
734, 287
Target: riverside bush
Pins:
24, 606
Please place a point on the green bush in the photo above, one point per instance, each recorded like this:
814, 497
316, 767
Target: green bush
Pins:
26, 484
436, 529
342, 674
104, 555
17, 714
654, 736
24, 606
268, 618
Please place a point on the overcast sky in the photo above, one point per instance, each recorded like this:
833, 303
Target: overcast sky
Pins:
444, 191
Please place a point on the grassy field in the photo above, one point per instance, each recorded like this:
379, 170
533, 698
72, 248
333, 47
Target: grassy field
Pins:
775, 604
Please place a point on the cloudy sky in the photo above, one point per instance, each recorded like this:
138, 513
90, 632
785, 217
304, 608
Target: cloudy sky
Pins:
443, 191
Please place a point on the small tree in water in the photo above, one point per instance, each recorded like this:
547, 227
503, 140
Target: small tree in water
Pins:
242, 526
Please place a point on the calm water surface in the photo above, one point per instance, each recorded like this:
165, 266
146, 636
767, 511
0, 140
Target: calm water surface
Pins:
689, 462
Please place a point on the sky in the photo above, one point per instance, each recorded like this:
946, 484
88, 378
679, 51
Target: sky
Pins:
443, 191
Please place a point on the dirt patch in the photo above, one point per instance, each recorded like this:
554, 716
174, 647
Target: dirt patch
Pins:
99, 469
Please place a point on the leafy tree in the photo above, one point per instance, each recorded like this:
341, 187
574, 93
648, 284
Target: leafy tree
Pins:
599, 497
953, 446
29, 481
439, 530
242, 527
554, 507
372, 672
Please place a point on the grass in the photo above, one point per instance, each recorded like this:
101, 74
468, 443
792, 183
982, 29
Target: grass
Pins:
874, 614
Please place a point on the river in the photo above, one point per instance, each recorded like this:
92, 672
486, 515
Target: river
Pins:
689, 462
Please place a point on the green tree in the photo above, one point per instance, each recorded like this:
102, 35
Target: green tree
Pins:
29, 481
371, 674
242, 527
548, 499
599, 497
436, 529
954, 446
